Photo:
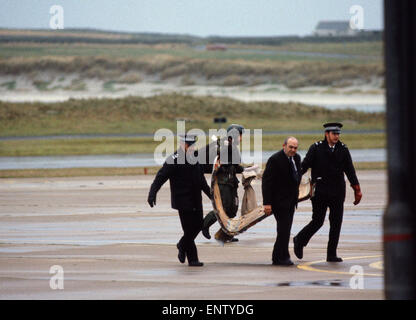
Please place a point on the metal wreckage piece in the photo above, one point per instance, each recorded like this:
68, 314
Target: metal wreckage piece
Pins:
251, 213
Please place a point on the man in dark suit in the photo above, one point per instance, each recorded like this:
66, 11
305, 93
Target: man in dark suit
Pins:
187, 180
280, 188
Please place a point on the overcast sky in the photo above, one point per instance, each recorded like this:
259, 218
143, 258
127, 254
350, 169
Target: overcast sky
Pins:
196, 17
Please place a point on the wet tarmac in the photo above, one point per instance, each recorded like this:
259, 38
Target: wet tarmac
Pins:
112, 245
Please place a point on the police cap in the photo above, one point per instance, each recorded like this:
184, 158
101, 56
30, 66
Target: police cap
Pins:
237, 127
188, 139
334, 127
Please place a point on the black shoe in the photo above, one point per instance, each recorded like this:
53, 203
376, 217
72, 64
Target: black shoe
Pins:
181, 254
195, 264
298, 248
286, 262
205, 233
232, 240
333, 259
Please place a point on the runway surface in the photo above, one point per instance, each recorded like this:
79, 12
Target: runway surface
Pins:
109, 244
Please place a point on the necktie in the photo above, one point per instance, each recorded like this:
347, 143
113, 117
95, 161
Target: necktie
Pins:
294, 170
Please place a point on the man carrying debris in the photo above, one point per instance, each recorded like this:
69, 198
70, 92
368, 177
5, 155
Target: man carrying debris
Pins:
230, 161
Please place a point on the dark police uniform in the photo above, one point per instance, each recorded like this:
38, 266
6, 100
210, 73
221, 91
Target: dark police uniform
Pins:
230, 159
228, 181
328, 168
186, 183
207, 156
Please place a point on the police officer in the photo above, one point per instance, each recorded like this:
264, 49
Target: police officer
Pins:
329, 159
230, 160
187, 180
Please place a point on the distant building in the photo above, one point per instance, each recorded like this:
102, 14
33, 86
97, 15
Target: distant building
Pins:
334, 28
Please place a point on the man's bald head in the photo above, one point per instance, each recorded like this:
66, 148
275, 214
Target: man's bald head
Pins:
290, 146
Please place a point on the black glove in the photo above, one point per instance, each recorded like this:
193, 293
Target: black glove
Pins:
151, 200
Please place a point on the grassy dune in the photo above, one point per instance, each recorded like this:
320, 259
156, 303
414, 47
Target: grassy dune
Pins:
364, 48
146, 115
291, 73
239, 65
246, 65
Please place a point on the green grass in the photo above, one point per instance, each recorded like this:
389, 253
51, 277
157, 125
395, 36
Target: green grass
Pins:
146, 115
77, 146
10, 85
363, 49
42, 85
76, 85
96, 146
109, 86
353, 141
76, 172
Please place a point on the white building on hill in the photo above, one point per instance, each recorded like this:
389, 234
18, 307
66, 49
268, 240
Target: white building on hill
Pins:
334, 28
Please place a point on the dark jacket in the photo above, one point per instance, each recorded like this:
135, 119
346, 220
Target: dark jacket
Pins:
279, 186
230, 159
328, 168
207, 156
186, 183
229, 154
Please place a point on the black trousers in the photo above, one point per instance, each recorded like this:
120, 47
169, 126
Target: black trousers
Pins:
320, 204
191, 221
284, 220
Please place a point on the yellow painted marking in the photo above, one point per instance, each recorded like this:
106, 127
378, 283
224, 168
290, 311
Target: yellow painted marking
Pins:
308, 266
376, 265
